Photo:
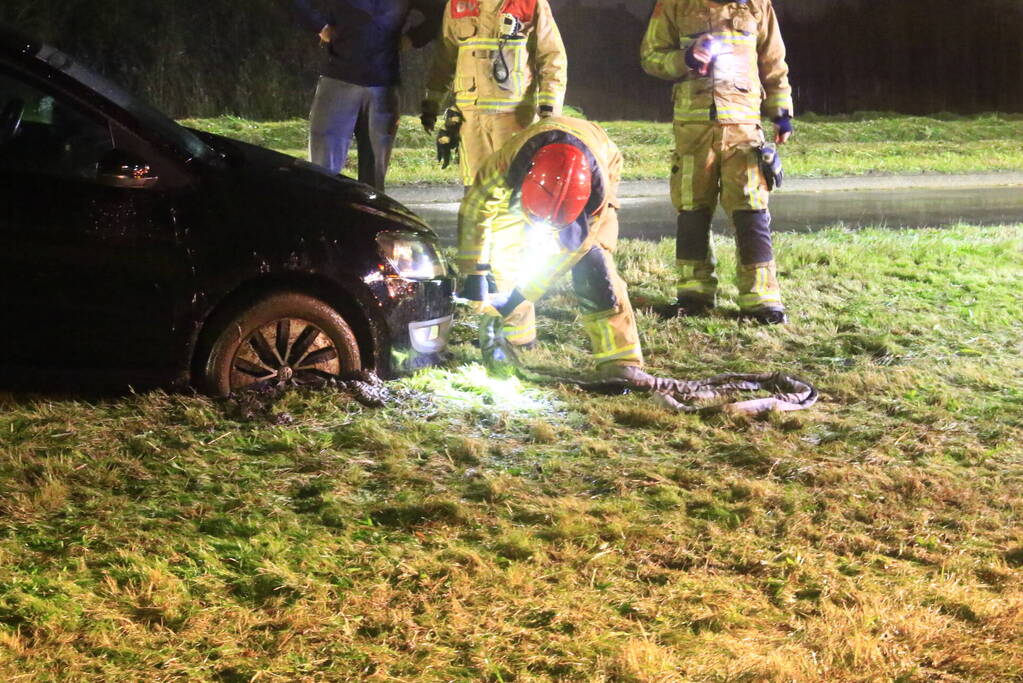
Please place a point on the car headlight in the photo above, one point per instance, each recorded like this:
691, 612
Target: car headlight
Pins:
411, 256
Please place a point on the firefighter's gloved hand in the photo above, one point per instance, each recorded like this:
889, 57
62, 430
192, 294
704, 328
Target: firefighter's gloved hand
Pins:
476, 287
771, 167
449, 137
500, 304
494, 304
783, 127
445, 149
429, 115
498, 354
701, 54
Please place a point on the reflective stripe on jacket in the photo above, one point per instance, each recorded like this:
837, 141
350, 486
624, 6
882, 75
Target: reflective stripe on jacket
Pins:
749, 79
470, 43
493, 201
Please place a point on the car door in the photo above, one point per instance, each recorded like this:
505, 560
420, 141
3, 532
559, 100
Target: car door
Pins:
92, 275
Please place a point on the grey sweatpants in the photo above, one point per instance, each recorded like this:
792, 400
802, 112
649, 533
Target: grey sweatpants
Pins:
341, 109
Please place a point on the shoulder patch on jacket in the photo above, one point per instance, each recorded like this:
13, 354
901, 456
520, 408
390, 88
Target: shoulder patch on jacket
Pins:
525, 10
464, 8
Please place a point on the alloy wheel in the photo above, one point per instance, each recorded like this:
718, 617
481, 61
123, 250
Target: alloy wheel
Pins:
286, 351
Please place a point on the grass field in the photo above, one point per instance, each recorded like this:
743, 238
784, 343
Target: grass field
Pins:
866, 143
487, 530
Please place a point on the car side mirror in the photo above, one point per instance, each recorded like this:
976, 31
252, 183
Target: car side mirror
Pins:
10, 120
118, 168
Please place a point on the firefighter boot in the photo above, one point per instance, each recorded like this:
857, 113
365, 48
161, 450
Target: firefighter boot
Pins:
694, 261
757, 275
628, 376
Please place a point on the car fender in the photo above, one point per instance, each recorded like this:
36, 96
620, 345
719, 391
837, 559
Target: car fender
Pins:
352, 298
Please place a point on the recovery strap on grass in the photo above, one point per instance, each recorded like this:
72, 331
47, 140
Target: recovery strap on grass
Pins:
789, 394
678, 395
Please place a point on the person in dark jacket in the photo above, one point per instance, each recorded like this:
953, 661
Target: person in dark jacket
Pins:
358, 87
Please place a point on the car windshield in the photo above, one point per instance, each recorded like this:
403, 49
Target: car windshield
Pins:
179, 136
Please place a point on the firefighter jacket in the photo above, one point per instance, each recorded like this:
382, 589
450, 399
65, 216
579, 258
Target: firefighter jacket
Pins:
493, 201
475, 38
749, 76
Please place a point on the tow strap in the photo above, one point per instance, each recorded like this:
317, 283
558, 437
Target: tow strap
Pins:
679, 395
789, 394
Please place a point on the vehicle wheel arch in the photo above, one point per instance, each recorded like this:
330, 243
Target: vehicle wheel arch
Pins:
347, 298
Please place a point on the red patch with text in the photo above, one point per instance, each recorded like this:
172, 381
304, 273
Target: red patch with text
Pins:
524, 10
464, 8
658, 10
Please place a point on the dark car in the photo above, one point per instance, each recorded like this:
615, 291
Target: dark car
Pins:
141, 251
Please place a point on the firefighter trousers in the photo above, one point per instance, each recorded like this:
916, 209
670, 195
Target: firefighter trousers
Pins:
483, 133
719, 162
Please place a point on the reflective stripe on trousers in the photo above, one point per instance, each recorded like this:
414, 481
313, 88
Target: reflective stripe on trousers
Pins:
719, 162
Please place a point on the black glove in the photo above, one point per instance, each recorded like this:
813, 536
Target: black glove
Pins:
429, 116
476, 286
770, 166
784, 124
444, 149
449, 137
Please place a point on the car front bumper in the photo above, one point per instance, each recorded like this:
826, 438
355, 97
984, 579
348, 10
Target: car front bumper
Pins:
419, 322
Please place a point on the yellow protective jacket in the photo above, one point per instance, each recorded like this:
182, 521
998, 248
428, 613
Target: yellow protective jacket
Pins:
492, 202
750, 80
470, 40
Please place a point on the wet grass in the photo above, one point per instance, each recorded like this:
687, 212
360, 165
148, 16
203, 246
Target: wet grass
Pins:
491, 530
861, 144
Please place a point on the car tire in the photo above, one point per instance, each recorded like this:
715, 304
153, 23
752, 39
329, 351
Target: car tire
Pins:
287, 338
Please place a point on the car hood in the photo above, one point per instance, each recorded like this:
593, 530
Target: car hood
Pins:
304, 177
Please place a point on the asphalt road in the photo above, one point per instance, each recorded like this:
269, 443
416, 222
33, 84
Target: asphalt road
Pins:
803, 206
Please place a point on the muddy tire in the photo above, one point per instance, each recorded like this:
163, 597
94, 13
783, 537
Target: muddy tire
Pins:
284, 338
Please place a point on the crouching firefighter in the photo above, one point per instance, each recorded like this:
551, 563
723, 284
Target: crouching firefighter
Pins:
542, 205
504, 63
727, 60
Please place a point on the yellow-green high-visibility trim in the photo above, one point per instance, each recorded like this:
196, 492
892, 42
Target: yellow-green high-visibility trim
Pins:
631, 352
758, 286
519, 335
547, 98
696, 279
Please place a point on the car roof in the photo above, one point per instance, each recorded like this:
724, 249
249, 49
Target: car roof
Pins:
13, 40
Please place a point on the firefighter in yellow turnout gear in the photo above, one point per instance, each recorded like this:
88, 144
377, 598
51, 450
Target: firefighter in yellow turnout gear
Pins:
542, 205
727, 60
504, 62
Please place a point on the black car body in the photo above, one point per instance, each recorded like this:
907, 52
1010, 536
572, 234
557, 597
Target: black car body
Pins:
128, 243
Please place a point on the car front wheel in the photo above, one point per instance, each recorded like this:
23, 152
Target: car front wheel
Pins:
283, 339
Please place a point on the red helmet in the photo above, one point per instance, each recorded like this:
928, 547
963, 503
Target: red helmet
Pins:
557, 187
